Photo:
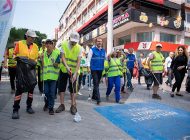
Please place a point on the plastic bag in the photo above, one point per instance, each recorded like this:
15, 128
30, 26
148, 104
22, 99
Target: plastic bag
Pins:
77, 117
26, 74
135, 72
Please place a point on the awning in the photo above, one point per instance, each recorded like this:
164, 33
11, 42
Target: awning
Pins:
143, 46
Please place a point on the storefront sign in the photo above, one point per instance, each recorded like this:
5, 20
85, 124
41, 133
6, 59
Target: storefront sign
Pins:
95, 33
144, 45
121, 19
177, 22
143, 17
162, 21
102, 29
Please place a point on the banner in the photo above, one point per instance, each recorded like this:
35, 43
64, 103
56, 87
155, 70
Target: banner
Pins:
7, 8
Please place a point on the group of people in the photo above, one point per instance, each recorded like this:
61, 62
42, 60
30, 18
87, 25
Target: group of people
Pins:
70, 64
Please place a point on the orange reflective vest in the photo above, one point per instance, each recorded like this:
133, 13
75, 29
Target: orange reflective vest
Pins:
31, 53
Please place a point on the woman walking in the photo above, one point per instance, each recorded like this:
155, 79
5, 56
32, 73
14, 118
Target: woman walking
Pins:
178, 67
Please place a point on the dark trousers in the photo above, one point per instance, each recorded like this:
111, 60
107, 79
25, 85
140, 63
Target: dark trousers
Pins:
129, 75
40, 82
179, 76
96, 76
81, 80
17, 99
0, 72
139, 76
49, 90
12, 74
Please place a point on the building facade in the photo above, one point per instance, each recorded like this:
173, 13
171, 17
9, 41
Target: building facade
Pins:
135, 21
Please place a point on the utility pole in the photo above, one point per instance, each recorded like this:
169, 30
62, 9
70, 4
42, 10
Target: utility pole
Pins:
110, 27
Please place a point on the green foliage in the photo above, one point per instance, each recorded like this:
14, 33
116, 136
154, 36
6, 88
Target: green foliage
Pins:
18, 34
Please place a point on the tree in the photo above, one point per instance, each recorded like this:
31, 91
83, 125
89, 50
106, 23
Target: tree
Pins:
18, 34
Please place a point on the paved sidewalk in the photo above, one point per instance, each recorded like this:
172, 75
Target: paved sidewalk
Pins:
93, 126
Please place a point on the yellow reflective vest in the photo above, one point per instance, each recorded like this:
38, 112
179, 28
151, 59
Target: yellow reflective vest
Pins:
50, 72
11, 60
71, 56
115, 68
157, 63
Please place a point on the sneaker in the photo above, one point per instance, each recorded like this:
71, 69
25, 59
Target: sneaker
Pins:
45, 108
82, 87
156, 96
89, 89
51, 111
148, 88
73, 110
120, 102
60, 108
30, 110
178, 94
78, 93
172, 94
15, 115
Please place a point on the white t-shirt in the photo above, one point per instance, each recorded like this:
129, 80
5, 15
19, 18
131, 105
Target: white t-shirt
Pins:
168, 62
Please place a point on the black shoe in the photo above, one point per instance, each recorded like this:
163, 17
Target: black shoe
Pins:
178, 94
166, 83
15, 115
98, 102
148, 88
45, 108
30, 110
60, 108
51, 111
156, 96
73, 110
172, 95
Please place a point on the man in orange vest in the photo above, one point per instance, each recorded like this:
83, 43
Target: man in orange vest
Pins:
25, 49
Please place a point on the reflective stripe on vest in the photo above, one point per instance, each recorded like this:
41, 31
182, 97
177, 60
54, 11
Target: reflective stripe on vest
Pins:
49, 71
11, 61
157, 62
115, 68
31, 53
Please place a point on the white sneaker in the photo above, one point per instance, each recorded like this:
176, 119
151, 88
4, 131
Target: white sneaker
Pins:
79, 93
82, 87
89, 89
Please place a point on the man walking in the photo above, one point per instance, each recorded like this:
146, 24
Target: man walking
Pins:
71, 53
50, 63
140, 60
168, 69
131, 62
11, 66
29, 50
96, 57
156, 63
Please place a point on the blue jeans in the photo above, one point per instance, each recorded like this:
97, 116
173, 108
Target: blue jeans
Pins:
129, 77
49, 90
114, 81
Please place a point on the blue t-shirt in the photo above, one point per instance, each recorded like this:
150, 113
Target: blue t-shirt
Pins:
130, 60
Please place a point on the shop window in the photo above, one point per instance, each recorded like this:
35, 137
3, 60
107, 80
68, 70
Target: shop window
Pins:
124, 40
187, 41
188, 1
145, 37
167, 38
188, 17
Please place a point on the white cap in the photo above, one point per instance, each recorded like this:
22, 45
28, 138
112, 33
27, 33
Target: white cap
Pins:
159, 45
31, 33
74, 37
44, 40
